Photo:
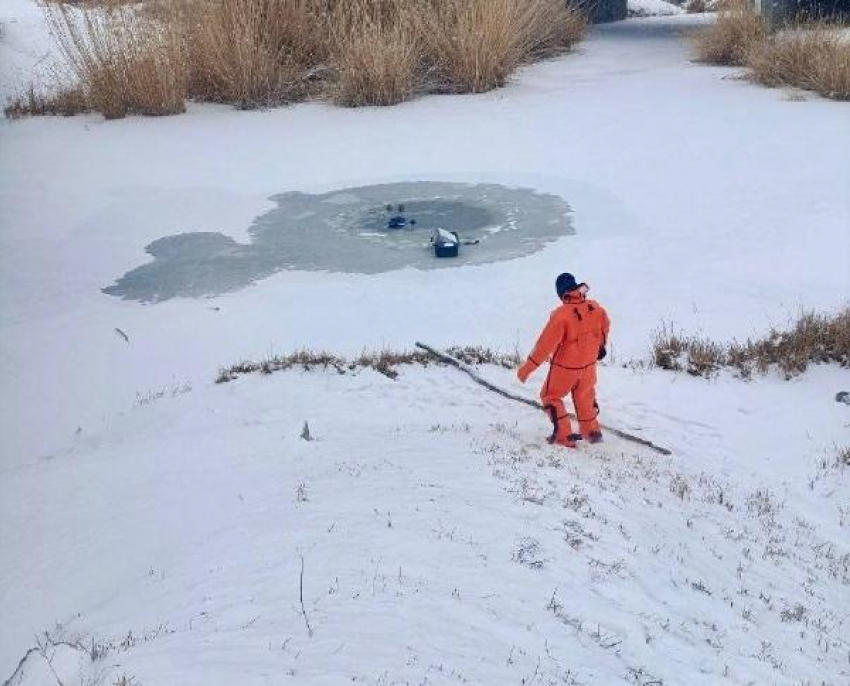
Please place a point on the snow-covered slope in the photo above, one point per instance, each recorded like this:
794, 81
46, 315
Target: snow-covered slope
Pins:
442, 540
163, 517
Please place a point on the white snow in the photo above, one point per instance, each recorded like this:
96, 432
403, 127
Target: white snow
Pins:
653, 8
165, 517
26, 49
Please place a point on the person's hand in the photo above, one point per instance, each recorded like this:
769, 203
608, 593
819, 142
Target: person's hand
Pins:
524, 371
602, 353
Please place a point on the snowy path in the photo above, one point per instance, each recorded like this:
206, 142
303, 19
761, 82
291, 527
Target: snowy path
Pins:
426, 506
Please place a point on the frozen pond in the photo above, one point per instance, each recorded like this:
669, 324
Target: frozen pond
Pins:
349, 230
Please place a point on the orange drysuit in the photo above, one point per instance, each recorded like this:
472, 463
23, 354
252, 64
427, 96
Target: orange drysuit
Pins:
572, 340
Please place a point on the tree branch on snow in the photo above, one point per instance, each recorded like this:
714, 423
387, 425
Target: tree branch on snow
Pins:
301, 599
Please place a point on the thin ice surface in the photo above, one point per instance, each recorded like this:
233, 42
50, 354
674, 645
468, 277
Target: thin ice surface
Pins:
347, 231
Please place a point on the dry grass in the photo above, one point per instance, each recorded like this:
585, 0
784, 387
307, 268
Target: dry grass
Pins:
249, 53
121, 62
730, 39
813, 338
813, 57
694, 355
65, 103
474, 45
376, 54
149, 58
384, 362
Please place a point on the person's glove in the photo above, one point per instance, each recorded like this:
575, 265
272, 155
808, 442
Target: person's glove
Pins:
602, 353
525, 371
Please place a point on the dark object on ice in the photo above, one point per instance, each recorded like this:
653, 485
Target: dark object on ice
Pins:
594, 437
305, 433
843, 397
446, 243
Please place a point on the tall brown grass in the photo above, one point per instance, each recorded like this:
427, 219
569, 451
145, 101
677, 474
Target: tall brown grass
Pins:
376, 53
732, 36
474, 45
813, 55
239, 51
149, 58
119, 61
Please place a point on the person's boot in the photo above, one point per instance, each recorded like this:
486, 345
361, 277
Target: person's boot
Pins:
565, 441
568, 441
594, 437
561, 432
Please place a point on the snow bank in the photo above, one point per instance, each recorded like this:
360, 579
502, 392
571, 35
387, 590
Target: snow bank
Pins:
442, 539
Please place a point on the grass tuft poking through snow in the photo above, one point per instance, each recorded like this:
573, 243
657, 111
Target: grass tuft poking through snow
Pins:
813, 338
384, 362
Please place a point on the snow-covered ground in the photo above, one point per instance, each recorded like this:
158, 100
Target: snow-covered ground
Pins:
151, 511
653, 8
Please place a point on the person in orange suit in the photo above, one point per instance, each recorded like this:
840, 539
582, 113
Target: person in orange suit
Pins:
572, 342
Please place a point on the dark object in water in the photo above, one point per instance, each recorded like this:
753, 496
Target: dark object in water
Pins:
446, 243
399, 221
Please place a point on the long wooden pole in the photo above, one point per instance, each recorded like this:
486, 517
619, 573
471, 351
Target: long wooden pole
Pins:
454, 362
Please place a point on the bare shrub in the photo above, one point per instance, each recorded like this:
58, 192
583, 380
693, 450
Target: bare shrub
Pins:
696, 6
119, 62
811, 56
812, 338
731, 38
